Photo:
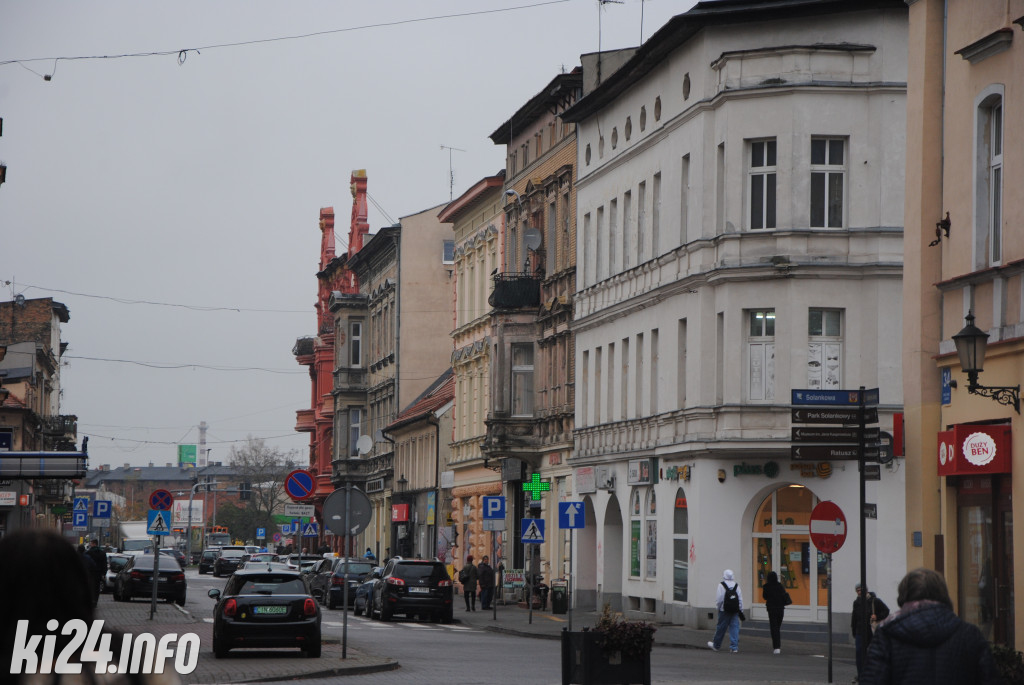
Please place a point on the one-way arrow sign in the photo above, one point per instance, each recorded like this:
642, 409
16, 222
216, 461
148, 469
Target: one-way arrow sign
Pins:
570, 514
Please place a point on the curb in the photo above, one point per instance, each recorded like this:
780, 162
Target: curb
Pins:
390, 665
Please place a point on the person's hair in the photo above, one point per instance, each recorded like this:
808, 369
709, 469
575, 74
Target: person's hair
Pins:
772, 577
469, 559
43, 578
923, 583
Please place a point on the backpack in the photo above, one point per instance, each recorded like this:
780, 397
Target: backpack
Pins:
463, 576
731, 603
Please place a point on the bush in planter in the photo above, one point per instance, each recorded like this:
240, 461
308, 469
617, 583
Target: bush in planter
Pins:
632, 639
1009, 664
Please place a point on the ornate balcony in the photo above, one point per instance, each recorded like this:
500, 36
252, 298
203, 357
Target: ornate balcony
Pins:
515, 291
60, 426
351, 380
305, 420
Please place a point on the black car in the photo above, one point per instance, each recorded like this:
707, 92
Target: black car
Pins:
135, 579
228, 561
178, 555
364, 591
260, 608
414, 587
206, 561
337, 580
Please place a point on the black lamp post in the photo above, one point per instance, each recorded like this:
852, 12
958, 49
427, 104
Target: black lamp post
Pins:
971, 343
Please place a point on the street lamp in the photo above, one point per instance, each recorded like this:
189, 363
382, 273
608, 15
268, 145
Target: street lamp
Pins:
971, 343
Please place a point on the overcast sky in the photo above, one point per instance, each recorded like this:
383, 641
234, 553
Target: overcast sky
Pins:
138, 180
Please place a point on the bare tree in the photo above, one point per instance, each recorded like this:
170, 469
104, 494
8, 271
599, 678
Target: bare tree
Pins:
263, 469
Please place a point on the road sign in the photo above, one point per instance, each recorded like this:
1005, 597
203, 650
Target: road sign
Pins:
532, 531
101, 523
79, 520
833, 434
834, 398
826, 415
494, 525
828, 527
823, 452
261, 533
299, 510
870, 511
359, 511
82, 504
299, 484
161, 500
494, 508
287, 529
311, 530
570, 514
158, 522
101, 509
276, 537
872, 472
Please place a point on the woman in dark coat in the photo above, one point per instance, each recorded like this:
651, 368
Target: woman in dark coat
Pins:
925, 642
775, 599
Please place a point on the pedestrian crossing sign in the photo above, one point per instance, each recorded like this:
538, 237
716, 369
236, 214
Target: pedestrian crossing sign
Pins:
311, 530
158, 522
532, 531
81, 504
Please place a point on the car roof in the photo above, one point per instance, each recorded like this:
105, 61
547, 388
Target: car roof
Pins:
262, 570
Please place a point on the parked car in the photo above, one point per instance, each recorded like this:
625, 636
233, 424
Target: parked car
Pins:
115, 562
206, 561
262, 558
364, 591
265, 609
414, 587
339, 580
252, 549
301, 562
178, 555
135, 579
319, 577
228, 561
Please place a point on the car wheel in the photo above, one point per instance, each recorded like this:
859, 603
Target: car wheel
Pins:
314, 650
330, 601
385, 612
180, 601
356, 609
220, 650
448, 617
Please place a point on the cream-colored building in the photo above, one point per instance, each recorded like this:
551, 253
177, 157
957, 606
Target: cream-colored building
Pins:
965, 444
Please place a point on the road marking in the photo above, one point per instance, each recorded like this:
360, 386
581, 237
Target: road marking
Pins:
208, 620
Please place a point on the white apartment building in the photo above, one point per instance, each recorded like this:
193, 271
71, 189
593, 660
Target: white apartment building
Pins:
740, 212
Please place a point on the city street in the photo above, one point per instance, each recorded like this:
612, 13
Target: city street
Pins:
475, 649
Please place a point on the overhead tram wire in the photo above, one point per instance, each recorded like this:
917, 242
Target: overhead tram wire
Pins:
168, 365
200, 308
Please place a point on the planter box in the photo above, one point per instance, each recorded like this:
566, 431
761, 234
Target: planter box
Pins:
584, 663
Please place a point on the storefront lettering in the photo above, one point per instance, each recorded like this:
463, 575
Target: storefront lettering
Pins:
677, 473
823, 469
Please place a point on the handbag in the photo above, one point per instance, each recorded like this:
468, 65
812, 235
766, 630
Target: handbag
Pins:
786, 599
874, 621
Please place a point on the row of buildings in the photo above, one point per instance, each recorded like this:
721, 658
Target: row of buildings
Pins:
683, 234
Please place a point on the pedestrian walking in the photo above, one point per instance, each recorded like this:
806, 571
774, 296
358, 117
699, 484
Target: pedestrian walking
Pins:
729, 601
469, 576
925, 642
99, 557
868, 611
90, 569
486, 579
57, 587
776, 599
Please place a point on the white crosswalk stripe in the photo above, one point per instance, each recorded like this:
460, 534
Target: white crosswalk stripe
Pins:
365, 624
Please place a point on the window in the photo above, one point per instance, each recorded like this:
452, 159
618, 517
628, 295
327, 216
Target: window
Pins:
988, 201
681, 366
355, 343
585, 388
355, 419
627, 210
654, 371
656, 216
611, 381
635, 524
448, 252
762, 184
641, 221
684, 199
601, 256
824, 348
680, 548
827, 174
522, 379
624, 385
761, 355
552, 242
613, 235
651, 536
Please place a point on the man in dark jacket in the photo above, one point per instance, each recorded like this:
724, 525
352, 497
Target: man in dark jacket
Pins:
925, 642
468, 576
99, 558
865, 608
486, 579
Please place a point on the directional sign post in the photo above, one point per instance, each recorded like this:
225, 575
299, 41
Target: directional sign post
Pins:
571, 516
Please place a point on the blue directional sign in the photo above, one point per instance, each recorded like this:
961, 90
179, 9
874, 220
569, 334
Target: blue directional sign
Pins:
311, 530
570, 514
494, 508
947, 386
158, 522
532, 531
844, 398
79, 520
286, 528
101, 509
261, 533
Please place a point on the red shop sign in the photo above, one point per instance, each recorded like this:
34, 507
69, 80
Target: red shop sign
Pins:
970, 450
399, 513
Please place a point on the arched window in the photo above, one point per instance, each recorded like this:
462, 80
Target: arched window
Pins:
680, 549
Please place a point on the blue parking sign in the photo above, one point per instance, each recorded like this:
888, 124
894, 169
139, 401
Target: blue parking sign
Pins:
494, 508
261, 533
101, 509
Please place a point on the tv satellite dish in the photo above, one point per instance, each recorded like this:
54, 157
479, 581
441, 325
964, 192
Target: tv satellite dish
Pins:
531, 237
364, 444
19, 300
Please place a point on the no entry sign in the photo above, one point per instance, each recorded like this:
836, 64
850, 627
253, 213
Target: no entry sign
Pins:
828, 527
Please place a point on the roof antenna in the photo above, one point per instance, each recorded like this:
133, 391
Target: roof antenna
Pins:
451, 171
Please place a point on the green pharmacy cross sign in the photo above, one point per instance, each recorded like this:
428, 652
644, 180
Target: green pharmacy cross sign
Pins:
536, 486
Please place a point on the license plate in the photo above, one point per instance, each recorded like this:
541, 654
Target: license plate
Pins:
419, 589
270, 611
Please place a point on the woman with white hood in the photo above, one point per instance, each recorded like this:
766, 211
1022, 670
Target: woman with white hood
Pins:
729, 601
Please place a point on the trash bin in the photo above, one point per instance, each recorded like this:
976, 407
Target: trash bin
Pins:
559, 597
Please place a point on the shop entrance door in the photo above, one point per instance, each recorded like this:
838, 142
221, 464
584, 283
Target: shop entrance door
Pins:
985, 555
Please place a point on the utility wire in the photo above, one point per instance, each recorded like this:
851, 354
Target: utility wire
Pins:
163, 365
200, 308
380, 209
182, 54
166, 442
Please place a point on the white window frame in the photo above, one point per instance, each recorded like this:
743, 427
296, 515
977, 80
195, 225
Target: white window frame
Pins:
988, 177
763, 175
829, 170
760, 354
355, 343
522, 387
355, 421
